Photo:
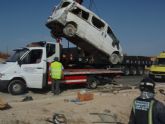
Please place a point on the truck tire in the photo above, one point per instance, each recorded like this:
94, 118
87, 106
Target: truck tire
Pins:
140, 71
133, 71
92, 82
16, 87
114, 59
70, 30
126, 71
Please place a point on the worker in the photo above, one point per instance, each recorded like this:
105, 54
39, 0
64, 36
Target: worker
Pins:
146, 109
56, 72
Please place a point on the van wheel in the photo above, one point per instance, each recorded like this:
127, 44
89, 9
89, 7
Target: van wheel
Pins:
16, 87
70, 30
92, 83
114, 58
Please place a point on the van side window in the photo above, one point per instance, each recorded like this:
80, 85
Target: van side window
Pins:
97, 23
33, 57
65, 4
50, 50
79, 12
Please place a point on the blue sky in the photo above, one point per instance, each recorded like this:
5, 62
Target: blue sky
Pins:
138, 24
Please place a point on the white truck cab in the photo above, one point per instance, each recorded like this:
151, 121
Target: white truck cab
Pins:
28, 67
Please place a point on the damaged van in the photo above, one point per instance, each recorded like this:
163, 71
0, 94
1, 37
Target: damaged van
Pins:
85, 29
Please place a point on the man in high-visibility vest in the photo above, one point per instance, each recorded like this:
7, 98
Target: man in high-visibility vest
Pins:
56, 72
146, 109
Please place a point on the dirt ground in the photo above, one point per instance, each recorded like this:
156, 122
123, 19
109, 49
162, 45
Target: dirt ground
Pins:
113, 105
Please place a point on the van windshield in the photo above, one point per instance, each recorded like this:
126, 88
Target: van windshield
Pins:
160, 61
17, 54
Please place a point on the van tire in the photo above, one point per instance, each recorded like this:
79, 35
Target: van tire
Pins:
114, 59
69, 30
16, 87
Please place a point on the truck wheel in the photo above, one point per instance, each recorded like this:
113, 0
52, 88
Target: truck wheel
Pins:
140, 71
114, 58
70, 30
92, 83
133, 70
126, 71
16, 87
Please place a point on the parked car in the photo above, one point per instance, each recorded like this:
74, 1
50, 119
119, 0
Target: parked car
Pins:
86, 30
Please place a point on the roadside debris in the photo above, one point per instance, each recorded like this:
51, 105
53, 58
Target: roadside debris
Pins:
106, 117
82, 96
162, 91
85, 96
114, 88
4, 105
27, 98
58, 119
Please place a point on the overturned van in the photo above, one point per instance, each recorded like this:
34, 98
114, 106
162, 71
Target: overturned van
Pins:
86, 30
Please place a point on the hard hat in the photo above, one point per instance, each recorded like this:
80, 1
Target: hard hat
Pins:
147, 84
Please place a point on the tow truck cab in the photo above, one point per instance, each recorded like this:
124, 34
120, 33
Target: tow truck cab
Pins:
28, 67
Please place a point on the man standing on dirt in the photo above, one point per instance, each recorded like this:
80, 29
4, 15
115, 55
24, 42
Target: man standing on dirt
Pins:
146, 109
56, 72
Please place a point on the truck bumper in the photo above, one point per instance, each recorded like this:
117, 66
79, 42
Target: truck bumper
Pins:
157, 77
4, 84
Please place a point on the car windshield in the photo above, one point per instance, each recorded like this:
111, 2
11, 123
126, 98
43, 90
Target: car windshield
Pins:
17, 54
160, 61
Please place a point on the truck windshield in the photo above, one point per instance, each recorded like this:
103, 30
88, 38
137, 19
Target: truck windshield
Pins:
160, 61
17, 54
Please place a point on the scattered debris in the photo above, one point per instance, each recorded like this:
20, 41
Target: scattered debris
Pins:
58, 119
4, 105
27, 98
106, 117
114, 88
85, 96
76, 101
162, 91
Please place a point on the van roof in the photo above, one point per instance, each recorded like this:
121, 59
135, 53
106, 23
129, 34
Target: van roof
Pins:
85, 9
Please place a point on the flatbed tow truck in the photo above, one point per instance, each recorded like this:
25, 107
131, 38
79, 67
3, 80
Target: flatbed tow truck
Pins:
28, 67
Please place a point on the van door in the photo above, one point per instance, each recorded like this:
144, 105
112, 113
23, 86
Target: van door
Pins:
95, 32
34, 68
108, 40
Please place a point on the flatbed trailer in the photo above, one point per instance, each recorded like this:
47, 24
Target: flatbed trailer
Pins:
91, 77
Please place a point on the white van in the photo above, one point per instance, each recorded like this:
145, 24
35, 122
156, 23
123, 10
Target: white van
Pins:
86, 30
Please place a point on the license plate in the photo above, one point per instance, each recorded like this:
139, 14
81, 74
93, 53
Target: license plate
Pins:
158, 76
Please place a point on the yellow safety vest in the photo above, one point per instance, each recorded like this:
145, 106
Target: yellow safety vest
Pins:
56, 70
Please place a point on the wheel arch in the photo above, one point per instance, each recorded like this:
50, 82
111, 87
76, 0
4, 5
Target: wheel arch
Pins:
18, 78
72, 22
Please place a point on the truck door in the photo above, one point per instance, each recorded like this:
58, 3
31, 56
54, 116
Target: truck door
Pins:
33, 68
